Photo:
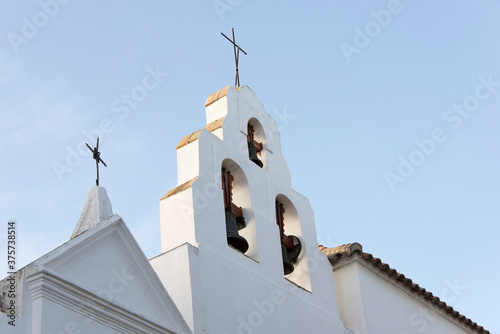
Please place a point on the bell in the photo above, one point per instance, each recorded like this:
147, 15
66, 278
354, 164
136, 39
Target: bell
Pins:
294, 253
240, 222
252, 154
287, 266
233, 238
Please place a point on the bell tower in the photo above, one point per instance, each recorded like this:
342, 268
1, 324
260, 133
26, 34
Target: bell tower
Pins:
239, 248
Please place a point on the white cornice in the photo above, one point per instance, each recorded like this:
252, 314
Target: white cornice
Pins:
45, 284
114, 230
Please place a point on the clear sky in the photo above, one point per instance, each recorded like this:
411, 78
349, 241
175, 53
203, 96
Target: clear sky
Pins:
388, 113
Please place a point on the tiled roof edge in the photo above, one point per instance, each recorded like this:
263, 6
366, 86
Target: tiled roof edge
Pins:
217, 95
347, 249
180, 188
217, 124
335, 254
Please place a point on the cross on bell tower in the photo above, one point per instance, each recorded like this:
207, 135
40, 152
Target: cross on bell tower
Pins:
237, 49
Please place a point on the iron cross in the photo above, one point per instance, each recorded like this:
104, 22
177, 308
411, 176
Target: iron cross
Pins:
236, 57
97, 156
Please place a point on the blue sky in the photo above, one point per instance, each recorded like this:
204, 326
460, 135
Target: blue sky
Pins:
363, 92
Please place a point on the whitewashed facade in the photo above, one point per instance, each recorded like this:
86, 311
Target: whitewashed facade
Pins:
374, 298
100, 281
247, 293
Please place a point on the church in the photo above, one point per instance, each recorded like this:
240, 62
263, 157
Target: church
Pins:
239, 255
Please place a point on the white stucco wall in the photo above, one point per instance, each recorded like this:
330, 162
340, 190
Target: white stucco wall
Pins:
233, 292
372, 304
179, 270
227, 292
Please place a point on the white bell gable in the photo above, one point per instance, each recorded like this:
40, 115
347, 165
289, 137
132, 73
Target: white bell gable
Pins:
223, 282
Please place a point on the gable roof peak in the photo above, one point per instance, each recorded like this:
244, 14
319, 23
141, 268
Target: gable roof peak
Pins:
97, 209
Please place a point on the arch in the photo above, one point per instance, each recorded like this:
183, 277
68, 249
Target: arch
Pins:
256, 140
291, 228
286, 214
291, 216
241, 205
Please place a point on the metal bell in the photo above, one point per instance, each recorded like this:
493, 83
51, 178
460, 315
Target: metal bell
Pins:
252, 154
233, 238
240, 222
293, 254
287, 266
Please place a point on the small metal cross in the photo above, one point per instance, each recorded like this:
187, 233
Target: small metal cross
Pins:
97, 156
236, 57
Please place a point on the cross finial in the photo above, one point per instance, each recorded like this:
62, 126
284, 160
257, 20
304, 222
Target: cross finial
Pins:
97, 156
236, 57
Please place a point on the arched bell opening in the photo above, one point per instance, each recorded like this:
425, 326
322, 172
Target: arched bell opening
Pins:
288, 223
256, 141
239, 216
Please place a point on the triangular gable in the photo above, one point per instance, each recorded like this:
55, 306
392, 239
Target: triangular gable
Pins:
107, 261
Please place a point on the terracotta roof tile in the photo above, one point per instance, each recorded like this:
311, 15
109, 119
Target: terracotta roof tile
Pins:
178, 189
217, 124
345, 251
216, 96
